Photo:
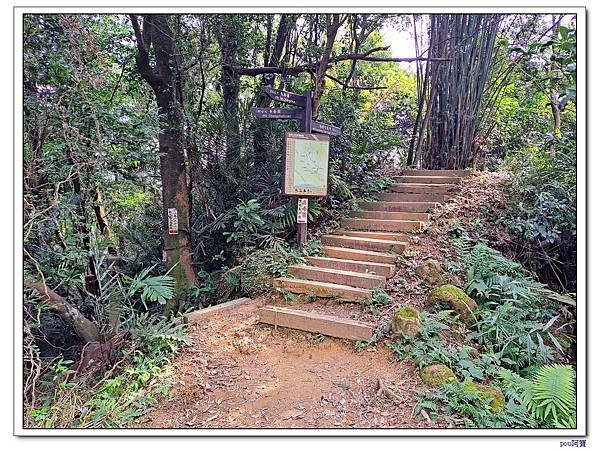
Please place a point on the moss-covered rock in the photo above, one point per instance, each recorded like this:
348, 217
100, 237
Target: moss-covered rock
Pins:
458, 300
487, 393
437, 375
407, 321
431, 272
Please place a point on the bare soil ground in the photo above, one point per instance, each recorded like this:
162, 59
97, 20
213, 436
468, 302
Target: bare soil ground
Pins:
242, 374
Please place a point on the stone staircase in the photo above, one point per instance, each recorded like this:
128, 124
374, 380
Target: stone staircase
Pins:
362, 254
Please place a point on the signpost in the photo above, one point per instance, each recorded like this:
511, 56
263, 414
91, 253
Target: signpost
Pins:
325, 128
286, 97
302, 210
304, 114
278, 113
306, 161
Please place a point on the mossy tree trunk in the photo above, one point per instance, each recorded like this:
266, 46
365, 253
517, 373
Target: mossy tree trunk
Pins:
165, 80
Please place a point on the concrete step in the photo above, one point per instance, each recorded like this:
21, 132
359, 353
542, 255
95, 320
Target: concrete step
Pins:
397, 197
337, 276
360, 243
315, 323
385, 270
373, 235
389, 215
415, 188
382, 225
440, 172
398, 206
359, 255
426, 179
322, 289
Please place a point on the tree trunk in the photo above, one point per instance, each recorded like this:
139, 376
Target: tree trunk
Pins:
114, 300
231, 90
229, 35
553, 97
424, 129
332, 28
555, 121
80, 224
85, 328
457, 86
164, 78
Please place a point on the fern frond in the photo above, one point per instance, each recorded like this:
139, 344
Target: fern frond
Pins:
277, 244
553, 393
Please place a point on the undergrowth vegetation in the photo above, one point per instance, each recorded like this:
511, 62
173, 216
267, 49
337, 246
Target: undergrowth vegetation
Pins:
542, 213
518, 344
135, 377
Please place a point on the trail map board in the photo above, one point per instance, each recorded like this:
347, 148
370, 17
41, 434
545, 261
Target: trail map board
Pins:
306, 154
306, 164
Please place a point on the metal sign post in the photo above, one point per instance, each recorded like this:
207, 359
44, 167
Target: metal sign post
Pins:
304, 114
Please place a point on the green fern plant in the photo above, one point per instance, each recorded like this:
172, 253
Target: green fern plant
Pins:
154, 289
339, 186
550, 395
485, 262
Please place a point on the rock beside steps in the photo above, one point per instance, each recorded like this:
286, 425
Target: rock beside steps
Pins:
361, 256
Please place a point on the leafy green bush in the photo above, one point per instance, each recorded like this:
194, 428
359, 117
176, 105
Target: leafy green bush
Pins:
513, 334
158, 338
259, 267
542, 213
246, 223
431, 347
378, 299
257, 270
475, 411
154, 289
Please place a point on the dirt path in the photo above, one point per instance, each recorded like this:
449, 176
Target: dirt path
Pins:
241, 374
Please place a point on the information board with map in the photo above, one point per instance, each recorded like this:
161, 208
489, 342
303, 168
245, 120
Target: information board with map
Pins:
306, 164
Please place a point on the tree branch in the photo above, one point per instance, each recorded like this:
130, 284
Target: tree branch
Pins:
85, 328
142, 59
253, 71
325, 62
346, 85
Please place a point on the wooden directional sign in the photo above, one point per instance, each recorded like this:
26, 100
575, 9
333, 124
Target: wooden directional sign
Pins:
278, 113
324, 128
286, 97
